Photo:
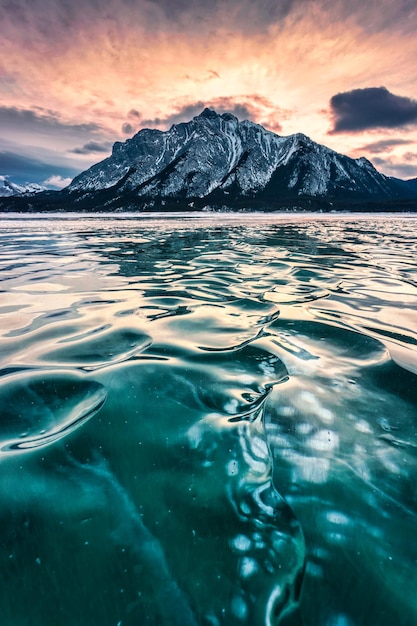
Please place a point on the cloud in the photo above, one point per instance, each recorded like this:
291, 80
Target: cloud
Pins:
203, 78
241, 12
397, 168
41, 120
251, 17
370, 108
92, 147
384, 145
57, 181
128, 128
37, 140
63, 21
411, 157
124, 62
254, 108
25, 169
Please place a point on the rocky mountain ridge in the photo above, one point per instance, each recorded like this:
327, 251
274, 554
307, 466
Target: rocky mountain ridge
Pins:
216, 161
8, 189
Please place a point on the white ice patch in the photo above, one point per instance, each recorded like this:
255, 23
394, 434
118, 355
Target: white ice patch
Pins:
259, 448
245, 379
304, 428
232, 468
195, 435
257, 466
267, 368
363, 427
241, 543
324, 441
248, 567
308, 469
335, 517
311, 403
286, 411
231, 407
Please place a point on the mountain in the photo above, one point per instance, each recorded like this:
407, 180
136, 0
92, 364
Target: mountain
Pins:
9, 189
411, 183
216, 161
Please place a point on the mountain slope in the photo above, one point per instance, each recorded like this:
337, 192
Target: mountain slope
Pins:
9, 189
216, 161
219, 158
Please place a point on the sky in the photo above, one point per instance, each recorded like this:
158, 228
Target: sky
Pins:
78, 75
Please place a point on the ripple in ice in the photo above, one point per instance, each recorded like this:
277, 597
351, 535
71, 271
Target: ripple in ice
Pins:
100, 347
38, 408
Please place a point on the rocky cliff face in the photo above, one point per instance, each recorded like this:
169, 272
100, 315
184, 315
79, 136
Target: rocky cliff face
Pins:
216, 161
219, 158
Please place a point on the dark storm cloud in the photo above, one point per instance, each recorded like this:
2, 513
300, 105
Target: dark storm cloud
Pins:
40, 120
92, 147
385, 145
372, 107
23, 169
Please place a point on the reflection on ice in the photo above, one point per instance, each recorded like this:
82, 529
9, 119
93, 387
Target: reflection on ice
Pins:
99, 348
40, 408
356, 452
308, 469
269, 545
230, 411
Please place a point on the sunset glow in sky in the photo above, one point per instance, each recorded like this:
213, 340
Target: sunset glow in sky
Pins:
78, 75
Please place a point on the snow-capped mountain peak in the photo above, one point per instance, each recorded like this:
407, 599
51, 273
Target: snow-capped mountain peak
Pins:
217, 158
8, 189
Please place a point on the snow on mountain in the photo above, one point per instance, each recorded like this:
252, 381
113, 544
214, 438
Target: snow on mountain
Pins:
217, 157
216, 161
9, 189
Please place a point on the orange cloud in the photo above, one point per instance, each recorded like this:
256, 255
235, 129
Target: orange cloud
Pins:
282, 61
